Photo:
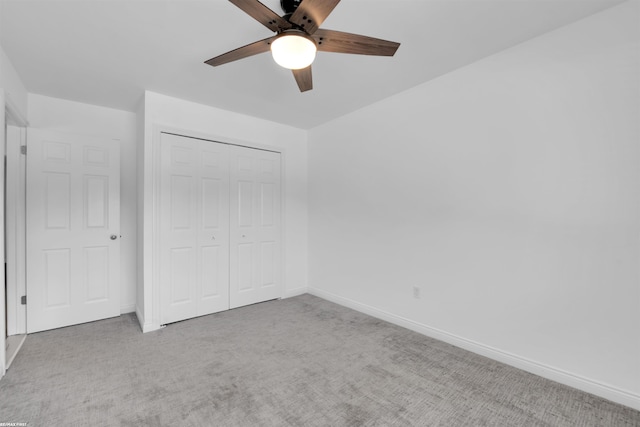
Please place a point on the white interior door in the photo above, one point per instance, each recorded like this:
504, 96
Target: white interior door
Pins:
255, 274
73, 226
194, 227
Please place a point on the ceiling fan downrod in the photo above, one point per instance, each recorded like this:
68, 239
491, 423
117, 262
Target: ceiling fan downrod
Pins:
289, 6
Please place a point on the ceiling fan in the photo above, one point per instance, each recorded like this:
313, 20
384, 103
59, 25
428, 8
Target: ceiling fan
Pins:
299, 37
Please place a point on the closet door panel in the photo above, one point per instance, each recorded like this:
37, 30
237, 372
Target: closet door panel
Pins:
213, 228
255, 269
194, 228
177, 228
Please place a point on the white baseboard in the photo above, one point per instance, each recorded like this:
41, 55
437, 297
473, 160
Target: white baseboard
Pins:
295, 292
149, 326
128, 309
605, 391
145, 326
14, 344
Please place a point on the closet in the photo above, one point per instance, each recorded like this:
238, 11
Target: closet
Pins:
219, 227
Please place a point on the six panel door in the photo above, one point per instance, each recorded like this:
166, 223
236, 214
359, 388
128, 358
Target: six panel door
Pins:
255, 226
73, 229
194, 223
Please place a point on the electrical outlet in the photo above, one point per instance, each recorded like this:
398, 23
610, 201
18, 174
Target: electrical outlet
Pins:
416, 292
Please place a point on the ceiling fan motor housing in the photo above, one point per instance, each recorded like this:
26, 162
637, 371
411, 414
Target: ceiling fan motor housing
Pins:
289, 6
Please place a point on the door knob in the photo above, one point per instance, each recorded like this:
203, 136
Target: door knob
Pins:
114, 237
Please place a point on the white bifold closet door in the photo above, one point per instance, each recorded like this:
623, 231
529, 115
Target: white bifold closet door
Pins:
219, 227
255, 226
194, 222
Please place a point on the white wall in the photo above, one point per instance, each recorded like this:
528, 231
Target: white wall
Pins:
508, 191
204, 121
74, 117
14, 90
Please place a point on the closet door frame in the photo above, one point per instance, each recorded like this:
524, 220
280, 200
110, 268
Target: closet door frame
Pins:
150, 234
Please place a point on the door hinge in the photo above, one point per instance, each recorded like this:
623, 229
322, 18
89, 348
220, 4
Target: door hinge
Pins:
23, 300
23, 149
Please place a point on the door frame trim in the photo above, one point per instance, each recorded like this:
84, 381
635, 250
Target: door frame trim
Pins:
16, 237
150, 321
11, 112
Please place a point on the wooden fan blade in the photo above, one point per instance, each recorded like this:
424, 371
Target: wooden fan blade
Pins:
339, 42
262, 14
303, 78
310, 14
242, 52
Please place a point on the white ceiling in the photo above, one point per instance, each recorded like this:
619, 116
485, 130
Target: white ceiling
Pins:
107, 52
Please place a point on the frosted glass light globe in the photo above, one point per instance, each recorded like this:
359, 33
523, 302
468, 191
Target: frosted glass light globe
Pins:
293, 51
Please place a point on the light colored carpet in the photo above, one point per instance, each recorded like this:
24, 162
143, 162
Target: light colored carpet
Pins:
296, 362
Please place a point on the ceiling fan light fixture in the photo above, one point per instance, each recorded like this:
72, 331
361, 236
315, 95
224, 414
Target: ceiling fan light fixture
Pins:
293, 50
